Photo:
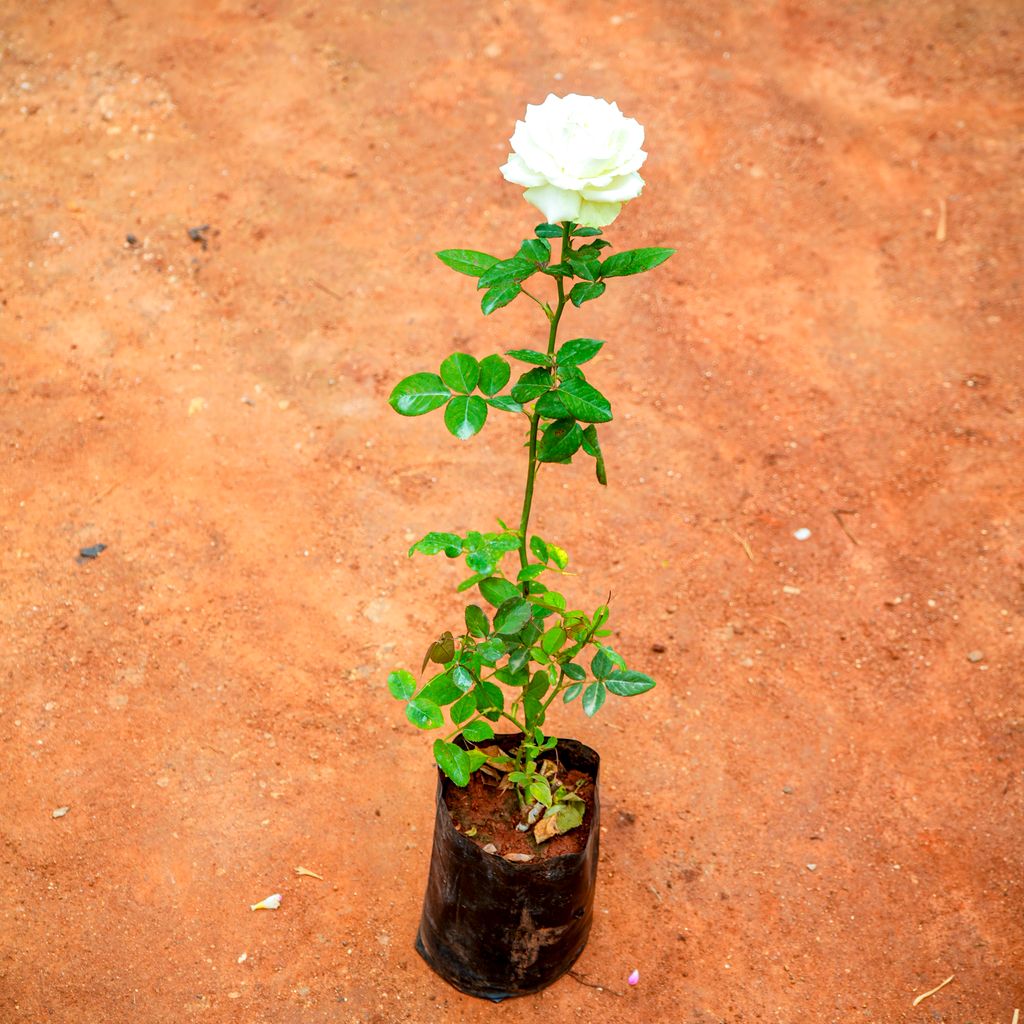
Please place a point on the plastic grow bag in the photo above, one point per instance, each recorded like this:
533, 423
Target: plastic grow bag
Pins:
495, 928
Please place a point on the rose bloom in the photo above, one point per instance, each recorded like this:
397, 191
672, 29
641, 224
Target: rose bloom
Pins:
578, 157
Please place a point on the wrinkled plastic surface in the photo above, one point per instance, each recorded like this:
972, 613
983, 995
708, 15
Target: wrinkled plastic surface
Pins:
495, 928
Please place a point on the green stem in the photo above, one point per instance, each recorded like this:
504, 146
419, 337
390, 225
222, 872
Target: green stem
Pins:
555, 692
531, 470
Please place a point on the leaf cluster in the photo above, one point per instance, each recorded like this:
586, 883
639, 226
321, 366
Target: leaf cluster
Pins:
531, 644
502, 279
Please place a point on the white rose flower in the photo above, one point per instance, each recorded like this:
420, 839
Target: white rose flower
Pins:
578, 157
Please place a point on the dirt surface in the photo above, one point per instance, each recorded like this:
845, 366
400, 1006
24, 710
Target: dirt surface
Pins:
817, 814
492, 814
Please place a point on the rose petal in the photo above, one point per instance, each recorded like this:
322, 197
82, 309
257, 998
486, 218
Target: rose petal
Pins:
557, 204
597, 215
518, 173
270, 903
618, 190
634, 978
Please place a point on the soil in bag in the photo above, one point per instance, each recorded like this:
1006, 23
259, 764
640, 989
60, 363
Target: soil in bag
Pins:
497, 928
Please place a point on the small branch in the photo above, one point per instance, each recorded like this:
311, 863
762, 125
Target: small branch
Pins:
590, 984
838, 513
324, 288
932, 991
745, 545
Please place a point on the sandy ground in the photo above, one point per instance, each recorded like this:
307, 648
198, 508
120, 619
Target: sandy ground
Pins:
826, 791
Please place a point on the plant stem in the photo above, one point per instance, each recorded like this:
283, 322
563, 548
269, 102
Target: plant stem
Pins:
531, 470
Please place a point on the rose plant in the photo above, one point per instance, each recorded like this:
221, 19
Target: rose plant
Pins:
524, 645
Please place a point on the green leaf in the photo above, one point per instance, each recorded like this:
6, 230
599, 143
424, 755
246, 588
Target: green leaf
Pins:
512, 616
506, 403
547, 231
585, 268
478, 731
568, 815
634, 261
531, 571
494, 374
578, 350
497, 591
505, 272
471, 582
540, 792
462, 678
560, 441
548, 599
539, 684
574, 671
498, 296
441, 690
460, 371
533, 710
434, 543
586, 232
476, 621
558, 270
453, 761
531, 385
491, 651
584, 402
402, 684
489, 696
584, 292
477, 758
463, 708
535, 249
558, 556
551, 406
466, 261
606, 661
593, 698
553, 639
421, 393
529, 355
572, 692
424, 714
624, 683
539, 548
465, 415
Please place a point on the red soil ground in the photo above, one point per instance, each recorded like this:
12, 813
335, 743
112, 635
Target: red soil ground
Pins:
817, 814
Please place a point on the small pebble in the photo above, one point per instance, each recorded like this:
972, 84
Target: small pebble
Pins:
519, 858
658, 648
61, 811
975, 656
812, 867
787, 789
93, 551
790, 590
490, 848
802, 534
